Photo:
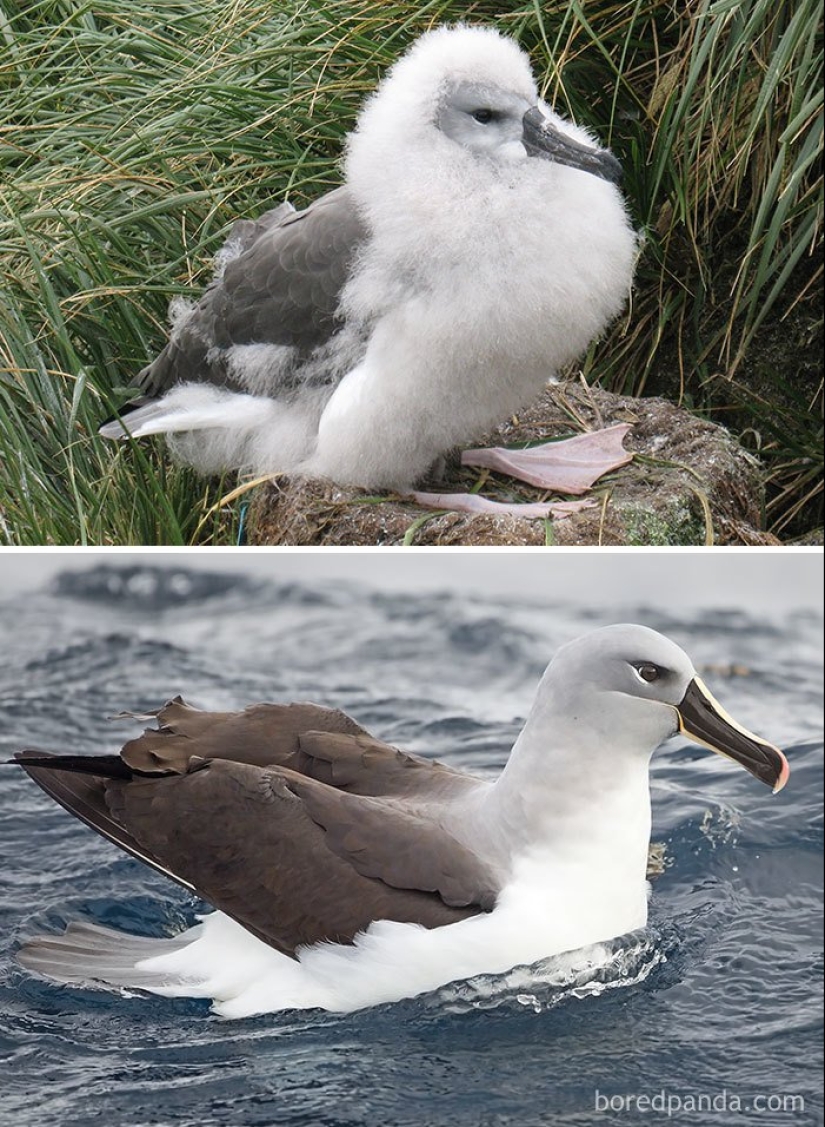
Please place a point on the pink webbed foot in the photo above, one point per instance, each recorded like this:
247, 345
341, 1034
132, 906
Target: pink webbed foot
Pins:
572, 465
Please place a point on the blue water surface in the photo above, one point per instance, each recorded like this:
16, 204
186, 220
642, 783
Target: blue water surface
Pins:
716, 1008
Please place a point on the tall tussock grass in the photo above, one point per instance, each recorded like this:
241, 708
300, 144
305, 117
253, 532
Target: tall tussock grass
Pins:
133, 134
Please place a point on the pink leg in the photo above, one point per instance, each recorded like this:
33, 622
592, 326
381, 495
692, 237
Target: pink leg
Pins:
473, 503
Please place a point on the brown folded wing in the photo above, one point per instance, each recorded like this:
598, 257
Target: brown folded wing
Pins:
321, 743
300, 835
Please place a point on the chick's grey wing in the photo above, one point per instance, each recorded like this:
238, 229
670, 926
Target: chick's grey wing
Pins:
283, 289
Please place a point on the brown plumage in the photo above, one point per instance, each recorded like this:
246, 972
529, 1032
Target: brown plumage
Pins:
290, 818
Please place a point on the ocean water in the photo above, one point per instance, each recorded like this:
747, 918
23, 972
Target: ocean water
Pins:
712, 1015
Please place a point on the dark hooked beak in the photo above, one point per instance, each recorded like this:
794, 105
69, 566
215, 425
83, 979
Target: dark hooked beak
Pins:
541, 138
702, 718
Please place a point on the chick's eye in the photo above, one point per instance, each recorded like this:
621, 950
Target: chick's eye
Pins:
483, 116
648, 672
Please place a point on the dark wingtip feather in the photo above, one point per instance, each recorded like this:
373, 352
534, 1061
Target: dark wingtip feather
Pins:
104, 766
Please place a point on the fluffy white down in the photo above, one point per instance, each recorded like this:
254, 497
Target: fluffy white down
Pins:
484, 327
485, 275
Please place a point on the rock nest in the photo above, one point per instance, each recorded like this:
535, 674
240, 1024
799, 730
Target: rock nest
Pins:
690, 482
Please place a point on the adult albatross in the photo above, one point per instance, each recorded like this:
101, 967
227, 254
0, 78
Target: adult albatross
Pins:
346, 873
478, 244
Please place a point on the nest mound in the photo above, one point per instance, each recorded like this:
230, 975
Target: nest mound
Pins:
690, 482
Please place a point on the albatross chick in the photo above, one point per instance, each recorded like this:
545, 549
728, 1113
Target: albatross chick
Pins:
477, 246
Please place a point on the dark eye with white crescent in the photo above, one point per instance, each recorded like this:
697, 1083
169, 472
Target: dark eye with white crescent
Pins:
648, 671
484, 117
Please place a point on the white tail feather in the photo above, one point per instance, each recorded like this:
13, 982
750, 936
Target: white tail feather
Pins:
189, 407
87, 954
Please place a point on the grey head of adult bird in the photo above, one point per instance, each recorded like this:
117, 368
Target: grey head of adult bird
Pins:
346, 873
478, 244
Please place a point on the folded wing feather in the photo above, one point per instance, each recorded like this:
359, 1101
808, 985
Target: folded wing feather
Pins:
289, 818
